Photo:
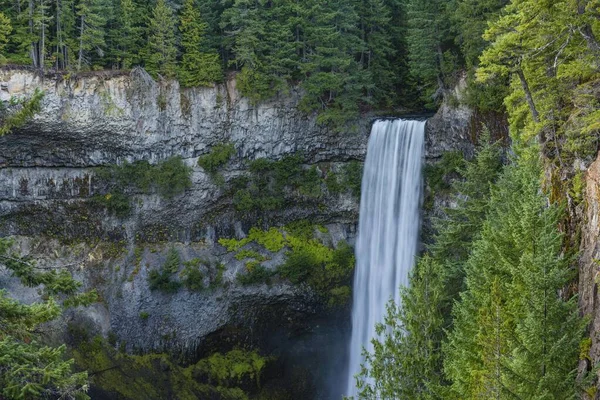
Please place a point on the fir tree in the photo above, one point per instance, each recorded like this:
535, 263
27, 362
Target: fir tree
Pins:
29, 369
5, 29
91, 14
161, 52
197, 67
512, 322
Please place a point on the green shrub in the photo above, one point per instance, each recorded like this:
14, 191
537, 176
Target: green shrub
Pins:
169, 177
352, 177
436, 175
272, 183
162, 280
217, 157
117, 203
144, 315
217, 280
255, 274
191, 276
172, 177
28, 108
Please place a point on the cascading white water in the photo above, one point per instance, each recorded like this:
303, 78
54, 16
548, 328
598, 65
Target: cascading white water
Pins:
388, 229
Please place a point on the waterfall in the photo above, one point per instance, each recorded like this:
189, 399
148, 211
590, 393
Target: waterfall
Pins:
388, 229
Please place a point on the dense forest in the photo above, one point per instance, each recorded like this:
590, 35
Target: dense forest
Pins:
490, 311
346, 55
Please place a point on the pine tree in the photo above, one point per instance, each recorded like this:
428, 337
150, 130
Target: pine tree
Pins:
161, 52
431, 53
197, 67
126, 35
91, 14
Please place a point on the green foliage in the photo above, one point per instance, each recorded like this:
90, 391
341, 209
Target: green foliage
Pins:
191, 276
169, 178
144, 315
522, 336
219, 155
30, 369
255, 274
161, 51
233, 367
273, 184
92, 20
158, 376
117, 203
197, 68
5, 30
163, 280
328, 271
23, 111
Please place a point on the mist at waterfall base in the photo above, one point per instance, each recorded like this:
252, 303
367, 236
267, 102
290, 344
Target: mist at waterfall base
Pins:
388, 230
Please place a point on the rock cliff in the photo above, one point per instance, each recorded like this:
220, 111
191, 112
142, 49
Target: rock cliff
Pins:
55, 171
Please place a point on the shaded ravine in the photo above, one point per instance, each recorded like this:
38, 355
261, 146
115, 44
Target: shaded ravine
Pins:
388, 229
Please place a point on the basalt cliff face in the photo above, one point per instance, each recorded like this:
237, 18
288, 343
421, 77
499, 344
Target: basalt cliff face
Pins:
54, 169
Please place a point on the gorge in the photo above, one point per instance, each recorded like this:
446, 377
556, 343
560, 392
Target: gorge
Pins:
55, 167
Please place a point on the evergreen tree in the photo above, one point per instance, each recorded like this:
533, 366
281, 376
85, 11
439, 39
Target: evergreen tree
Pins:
92, 19
514, 335
406, 360
5, 29
432, 57
29, 369
161, 52
334, 81
197, 67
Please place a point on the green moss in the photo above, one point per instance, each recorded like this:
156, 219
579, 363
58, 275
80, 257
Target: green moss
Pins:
243, 254
584, 349
156, 376
234, 244
272, 240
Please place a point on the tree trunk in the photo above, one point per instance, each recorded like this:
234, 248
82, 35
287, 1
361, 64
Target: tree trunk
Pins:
534, 112
81, 43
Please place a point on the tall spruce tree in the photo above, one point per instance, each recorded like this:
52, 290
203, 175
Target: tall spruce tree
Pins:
512, 322
198, 68
90, 30
161, 51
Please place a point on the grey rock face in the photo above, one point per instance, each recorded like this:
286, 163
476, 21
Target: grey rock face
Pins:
48, 171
